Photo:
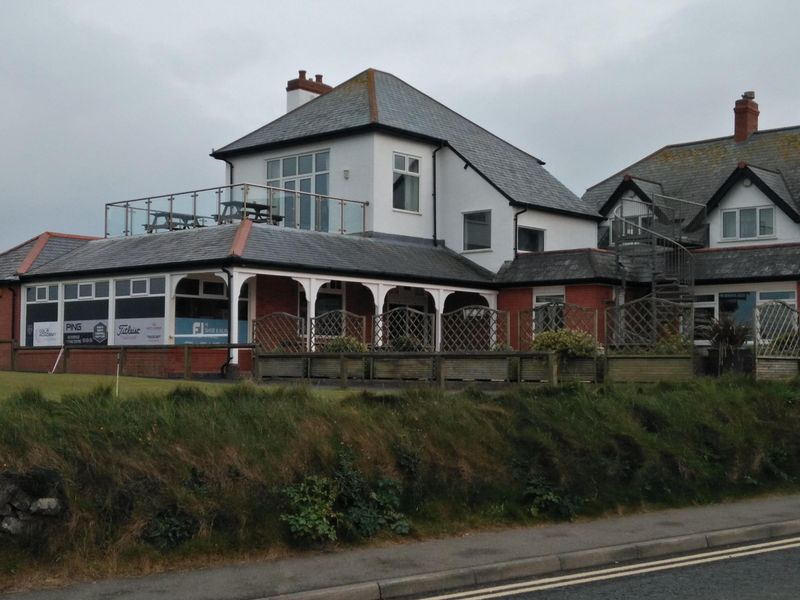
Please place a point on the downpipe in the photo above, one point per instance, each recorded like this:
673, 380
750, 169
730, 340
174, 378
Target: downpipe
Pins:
224, 369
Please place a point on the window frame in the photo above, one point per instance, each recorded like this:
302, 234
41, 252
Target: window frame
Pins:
738, 224
539, 229
407, 173
466, 214
292, 182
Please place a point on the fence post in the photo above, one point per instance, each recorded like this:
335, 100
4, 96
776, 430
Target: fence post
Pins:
552, 368
343, 370
439, 368
187, 361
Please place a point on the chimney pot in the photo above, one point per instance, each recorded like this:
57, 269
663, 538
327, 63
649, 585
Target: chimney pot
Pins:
302, 74
745, 117
318, 78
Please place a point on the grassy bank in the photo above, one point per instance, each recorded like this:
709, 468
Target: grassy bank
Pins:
182, 477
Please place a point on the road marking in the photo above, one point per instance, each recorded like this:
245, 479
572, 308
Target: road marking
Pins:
548, 583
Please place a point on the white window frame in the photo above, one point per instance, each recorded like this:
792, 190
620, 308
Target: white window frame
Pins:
758, 235
131, 293
406, 172
539, 229
464, 215
281, 182
36, 289
92, 296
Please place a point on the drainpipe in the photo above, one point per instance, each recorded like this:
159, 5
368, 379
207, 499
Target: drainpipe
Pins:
435, 242
516, 217
224, 368
13, 314
230, 173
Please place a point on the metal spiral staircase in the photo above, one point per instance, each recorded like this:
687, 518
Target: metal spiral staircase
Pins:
651, 248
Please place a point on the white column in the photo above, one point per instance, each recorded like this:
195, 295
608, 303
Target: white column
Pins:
233, 306
60, 317
23, 309
378, 291
112, 312
439, 296
491, 299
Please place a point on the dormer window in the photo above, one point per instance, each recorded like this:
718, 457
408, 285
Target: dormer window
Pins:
748, 223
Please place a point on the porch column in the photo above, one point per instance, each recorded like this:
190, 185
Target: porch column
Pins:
491, 299
112, 313
378, 291
233, 307
311, 287
171, 288
439, 296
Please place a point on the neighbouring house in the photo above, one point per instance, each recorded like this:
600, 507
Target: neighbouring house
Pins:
369, 198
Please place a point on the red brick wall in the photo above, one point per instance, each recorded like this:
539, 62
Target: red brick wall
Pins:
514, 301
38, 360
595, 296
9, 296
95, 361
275, 294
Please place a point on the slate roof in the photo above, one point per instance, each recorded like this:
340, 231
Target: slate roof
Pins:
375, 99
559, 266
12, 259
694, 171
37, 252
275, 247
769, 262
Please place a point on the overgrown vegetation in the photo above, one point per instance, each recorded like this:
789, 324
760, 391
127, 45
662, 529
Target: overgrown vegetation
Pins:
158, 479
566, 342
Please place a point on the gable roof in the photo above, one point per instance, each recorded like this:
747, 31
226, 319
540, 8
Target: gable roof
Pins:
696, 171
375, 100
275, 247
36, 252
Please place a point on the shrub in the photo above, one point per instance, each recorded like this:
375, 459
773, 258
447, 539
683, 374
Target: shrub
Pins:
567, 342
344, 344
672, 343
404, 343
311, 517
546, 500
170, 528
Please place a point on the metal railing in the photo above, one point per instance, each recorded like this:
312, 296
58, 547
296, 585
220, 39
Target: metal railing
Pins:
776, 327
206, 207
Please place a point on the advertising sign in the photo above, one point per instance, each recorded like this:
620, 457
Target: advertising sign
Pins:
139, 331
92, 332
205, 331
46, 333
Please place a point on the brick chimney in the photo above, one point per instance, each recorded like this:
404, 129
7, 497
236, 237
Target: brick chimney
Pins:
302, 90
745, 117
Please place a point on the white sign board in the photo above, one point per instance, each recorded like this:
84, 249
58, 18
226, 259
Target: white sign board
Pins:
142, 332
46, 333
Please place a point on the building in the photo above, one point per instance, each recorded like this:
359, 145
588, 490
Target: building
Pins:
370, 197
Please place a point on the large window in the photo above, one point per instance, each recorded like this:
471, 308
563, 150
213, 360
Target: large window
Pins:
202, 312
86, 313
736, 305
748, 223
530, 240
478, 230
41, 316
139, 311
405, 186
304, 175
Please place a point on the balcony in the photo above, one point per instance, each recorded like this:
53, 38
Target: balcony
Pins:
234, 203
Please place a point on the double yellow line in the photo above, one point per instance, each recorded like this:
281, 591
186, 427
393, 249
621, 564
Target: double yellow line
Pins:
549, 583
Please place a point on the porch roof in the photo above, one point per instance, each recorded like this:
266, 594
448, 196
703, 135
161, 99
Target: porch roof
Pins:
559, 266
272, 247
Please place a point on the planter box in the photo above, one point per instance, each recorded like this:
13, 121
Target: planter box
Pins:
282, 366
475, 369
768, 368
646, 369
420, 369
577, 369
534, 369
330, 367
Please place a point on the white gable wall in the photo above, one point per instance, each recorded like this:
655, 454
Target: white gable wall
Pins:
742, 196
353, 154
561, 232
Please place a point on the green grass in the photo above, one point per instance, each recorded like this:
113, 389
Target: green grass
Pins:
214, 460
54, 386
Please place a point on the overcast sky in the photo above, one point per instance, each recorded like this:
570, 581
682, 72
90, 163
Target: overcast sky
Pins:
105, 100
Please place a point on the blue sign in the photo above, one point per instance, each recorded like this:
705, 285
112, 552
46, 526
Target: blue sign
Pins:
205, 331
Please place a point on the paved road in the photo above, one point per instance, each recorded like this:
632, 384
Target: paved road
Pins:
773, 576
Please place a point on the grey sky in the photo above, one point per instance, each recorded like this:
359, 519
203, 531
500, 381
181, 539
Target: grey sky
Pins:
105, 100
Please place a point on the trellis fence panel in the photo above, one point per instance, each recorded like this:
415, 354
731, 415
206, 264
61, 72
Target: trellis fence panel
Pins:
475, 329
280, 332
337, 323
650, 326
554, 316
404, 329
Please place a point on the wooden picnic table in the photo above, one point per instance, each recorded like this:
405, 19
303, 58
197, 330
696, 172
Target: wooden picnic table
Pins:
237, 210
164, 220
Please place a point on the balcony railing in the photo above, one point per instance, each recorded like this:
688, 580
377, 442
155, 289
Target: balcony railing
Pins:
280, 207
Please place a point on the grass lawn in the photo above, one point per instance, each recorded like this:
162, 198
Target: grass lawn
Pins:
54, 386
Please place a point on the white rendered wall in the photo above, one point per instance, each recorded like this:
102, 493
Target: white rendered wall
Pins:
742, 196
353, 154
297, 98
463, 190
387, 219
